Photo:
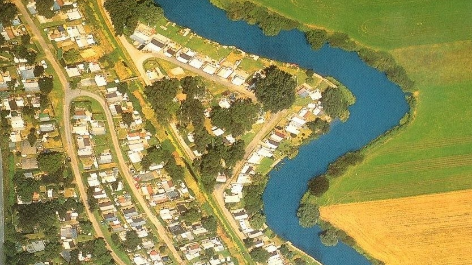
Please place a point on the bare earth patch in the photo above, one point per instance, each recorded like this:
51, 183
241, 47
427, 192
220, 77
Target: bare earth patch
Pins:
429, 229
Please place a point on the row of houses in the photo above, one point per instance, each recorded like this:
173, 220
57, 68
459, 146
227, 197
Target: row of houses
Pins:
157, 43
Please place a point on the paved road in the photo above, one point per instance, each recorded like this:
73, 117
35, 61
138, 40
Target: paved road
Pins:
66, 122
2, 213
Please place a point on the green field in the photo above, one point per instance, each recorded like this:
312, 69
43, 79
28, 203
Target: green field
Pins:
380, 23
432, 41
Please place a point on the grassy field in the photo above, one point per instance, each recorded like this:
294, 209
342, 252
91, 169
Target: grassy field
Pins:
379, 23
431, 229
431, 155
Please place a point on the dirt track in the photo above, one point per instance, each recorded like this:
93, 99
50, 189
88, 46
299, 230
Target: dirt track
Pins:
430, 229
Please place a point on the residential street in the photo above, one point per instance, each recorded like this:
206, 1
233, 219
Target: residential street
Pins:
70, 96
68, 147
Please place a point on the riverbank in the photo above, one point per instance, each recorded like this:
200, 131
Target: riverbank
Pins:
373, 132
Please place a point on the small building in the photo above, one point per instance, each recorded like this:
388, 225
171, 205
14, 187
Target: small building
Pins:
210, 69
155, 46
100, 80
35, 246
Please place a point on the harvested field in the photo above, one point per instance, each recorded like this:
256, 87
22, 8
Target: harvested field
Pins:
429, 229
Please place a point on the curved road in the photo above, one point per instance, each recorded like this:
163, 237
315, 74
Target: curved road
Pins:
66, 121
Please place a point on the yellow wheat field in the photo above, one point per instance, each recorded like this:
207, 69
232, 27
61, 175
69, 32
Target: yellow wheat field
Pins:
426, 230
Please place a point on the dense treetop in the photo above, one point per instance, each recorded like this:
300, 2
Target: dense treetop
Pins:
276, 90
126, 13
237, 119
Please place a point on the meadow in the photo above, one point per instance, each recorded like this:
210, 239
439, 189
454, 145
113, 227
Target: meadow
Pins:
430, 229
379, 23
409, 201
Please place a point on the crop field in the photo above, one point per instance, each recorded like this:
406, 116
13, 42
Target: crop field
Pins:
430, 229
380, 23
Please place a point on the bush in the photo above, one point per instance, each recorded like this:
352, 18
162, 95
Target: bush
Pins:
338, 167
316, 38
308, 214
318, 185
329, 237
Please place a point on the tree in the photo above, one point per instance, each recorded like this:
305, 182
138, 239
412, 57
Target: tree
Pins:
238, 118
253, 198
149, 12
50, 162
338, 167
25, 39
276, 90
329, 237
127, 118
318, 126
192, 111
71, 55
9, 248
316, 38
234, 153
132, 240
299, 261
318, 185
8, 13
44, 8
122, 87
161, 96
155, 155
286, 252
308, 214
334, 102
208, 182
210, 224
38, 70
32, 136
202, 139
45, 85
191, 215
259, 255
86, 227
257, 221
123, 14
342, 40
115, 238
192, 86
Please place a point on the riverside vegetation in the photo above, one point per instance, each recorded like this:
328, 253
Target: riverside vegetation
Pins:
436, 133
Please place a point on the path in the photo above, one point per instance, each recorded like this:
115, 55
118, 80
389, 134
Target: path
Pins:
219, 190
66, 122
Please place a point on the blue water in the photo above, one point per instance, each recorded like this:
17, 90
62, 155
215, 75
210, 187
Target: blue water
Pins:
380, 105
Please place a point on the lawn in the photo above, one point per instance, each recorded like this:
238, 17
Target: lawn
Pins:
379, 23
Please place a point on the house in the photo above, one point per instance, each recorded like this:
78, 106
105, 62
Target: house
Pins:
44, 117
155, 46
97, 128
105, 158
26, 74
80, 128
17, 123
225, 72
184, 57
232, 198
100, 80
240, 214
73, 14
68, 232
255, 159
99, 193
31, 87
238, 80
139, 37
170, 52
109, 176
293, 130
113, 97
210, 68
35, 246
27, 149
196, 63
93, 67
72, 71
47, 127
93, 180
272, 144
29, 163
110, 216
176, 229
106, 205
115, 109
134, 157
165, 214
277, 136
316, 95
138, 221
15, 137
265, 152
191, 250
129, 212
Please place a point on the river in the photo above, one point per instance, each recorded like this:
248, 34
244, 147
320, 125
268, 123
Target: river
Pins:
379, 107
